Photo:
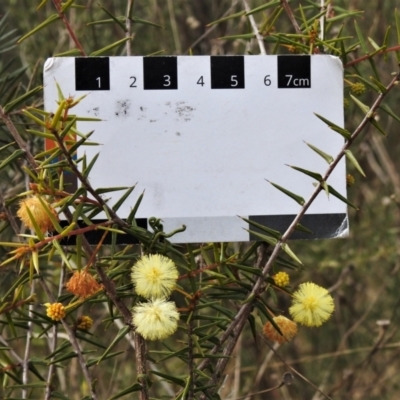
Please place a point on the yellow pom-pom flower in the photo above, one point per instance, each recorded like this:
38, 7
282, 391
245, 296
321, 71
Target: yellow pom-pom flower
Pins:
154, 276
281, 279
84, 322
38, 213
156, 319
312, 305
358, 88
287, 327
55, 311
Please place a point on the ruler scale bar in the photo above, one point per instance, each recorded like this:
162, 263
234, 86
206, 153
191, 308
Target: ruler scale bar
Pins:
201, 135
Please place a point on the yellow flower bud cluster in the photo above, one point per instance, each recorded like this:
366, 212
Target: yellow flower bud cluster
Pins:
358, 88
281, 279
84, 322
55, 311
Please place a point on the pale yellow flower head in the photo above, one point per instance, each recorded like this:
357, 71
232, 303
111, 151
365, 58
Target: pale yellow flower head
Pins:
154, 276
312, 305
38, 213
287, 327
156, 319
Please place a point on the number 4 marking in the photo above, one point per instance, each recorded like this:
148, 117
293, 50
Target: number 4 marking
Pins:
200, 81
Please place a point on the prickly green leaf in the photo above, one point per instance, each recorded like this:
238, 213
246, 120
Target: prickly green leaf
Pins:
133, 388
121, 334
325, 156
272, 3
344, 132
110, 46
227, 18
21, 99
274, 233
114, 18
364, 108
314, 175
285, 247
295, 197
389, 111
377, 126
354, 161
302, 228
361, 38
333, 192
45, 23
267, 239
15, 155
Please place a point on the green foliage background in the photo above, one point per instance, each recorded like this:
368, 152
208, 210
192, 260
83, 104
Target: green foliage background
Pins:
355, 355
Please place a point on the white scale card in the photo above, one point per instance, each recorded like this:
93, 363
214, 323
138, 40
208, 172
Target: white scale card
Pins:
202, 134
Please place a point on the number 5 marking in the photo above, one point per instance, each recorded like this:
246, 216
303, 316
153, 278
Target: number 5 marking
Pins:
234, 81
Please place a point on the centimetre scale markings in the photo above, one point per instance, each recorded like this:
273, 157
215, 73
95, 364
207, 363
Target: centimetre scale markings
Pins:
161, 73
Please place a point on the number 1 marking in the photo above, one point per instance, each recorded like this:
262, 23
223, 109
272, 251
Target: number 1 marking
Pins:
99, 80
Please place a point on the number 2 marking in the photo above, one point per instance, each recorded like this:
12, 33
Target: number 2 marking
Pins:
133, 81
167, 80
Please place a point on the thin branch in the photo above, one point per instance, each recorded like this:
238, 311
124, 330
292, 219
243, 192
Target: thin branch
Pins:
25, 363
208, 31
291, 16
128, 24
57, 5
259, 37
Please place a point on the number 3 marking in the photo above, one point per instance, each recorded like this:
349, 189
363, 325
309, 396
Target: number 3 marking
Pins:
167, 80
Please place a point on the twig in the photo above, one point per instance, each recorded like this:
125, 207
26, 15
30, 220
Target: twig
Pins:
174, 27
57, 5
208, 31
367, 56
259, 37
25, 363
128, 24
291, 16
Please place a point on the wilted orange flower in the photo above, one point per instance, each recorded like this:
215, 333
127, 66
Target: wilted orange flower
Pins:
287, 327
55, 311
38, 212
82, 284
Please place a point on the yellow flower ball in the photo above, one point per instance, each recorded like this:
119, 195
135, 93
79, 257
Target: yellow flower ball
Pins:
154, 276
84, 322
156, 319
312, 305
281, 279
55, 311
